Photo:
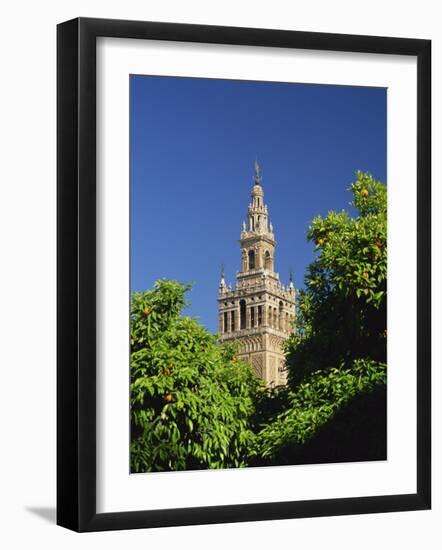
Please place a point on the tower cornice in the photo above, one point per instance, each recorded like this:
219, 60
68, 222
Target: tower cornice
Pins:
249, 237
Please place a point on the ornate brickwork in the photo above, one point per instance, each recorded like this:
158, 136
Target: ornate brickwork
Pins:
258, 365
258, 311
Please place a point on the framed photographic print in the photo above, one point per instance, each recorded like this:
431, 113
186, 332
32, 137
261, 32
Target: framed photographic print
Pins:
231, 205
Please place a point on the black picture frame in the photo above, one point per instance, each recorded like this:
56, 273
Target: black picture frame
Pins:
76, 274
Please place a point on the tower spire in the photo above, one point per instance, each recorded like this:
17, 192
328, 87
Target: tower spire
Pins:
258, 222
222, 283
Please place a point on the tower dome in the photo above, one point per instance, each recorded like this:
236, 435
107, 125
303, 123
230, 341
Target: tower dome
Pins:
257, 190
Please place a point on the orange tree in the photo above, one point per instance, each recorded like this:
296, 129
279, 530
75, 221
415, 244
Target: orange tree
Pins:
194, 405
341, 314
338, 351
192, 401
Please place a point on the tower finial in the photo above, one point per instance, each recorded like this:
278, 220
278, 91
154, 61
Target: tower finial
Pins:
257, 171
222, 283
291, 279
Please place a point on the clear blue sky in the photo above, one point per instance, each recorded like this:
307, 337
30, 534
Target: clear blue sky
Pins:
193, 145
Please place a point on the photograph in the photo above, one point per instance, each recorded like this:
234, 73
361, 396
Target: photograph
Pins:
258, 273
202, 206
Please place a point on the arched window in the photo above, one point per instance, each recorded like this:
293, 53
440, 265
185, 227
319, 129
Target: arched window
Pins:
259, 316
281, 317
267, 260
252, 317
225, 322
232, 321
242, 314
251, 259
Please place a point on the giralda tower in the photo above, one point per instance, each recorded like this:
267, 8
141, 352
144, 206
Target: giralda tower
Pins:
258, 312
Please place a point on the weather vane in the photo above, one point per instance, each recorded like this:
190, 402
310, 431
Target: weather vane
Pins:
257, 171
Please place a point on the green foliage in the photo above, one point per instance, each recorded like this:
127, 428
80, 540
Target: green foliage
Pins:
194, 405
341, 314
313, 404
191, 400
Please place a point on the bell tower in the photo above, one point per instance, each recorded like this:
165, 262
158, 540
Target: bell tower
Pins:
259, 311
